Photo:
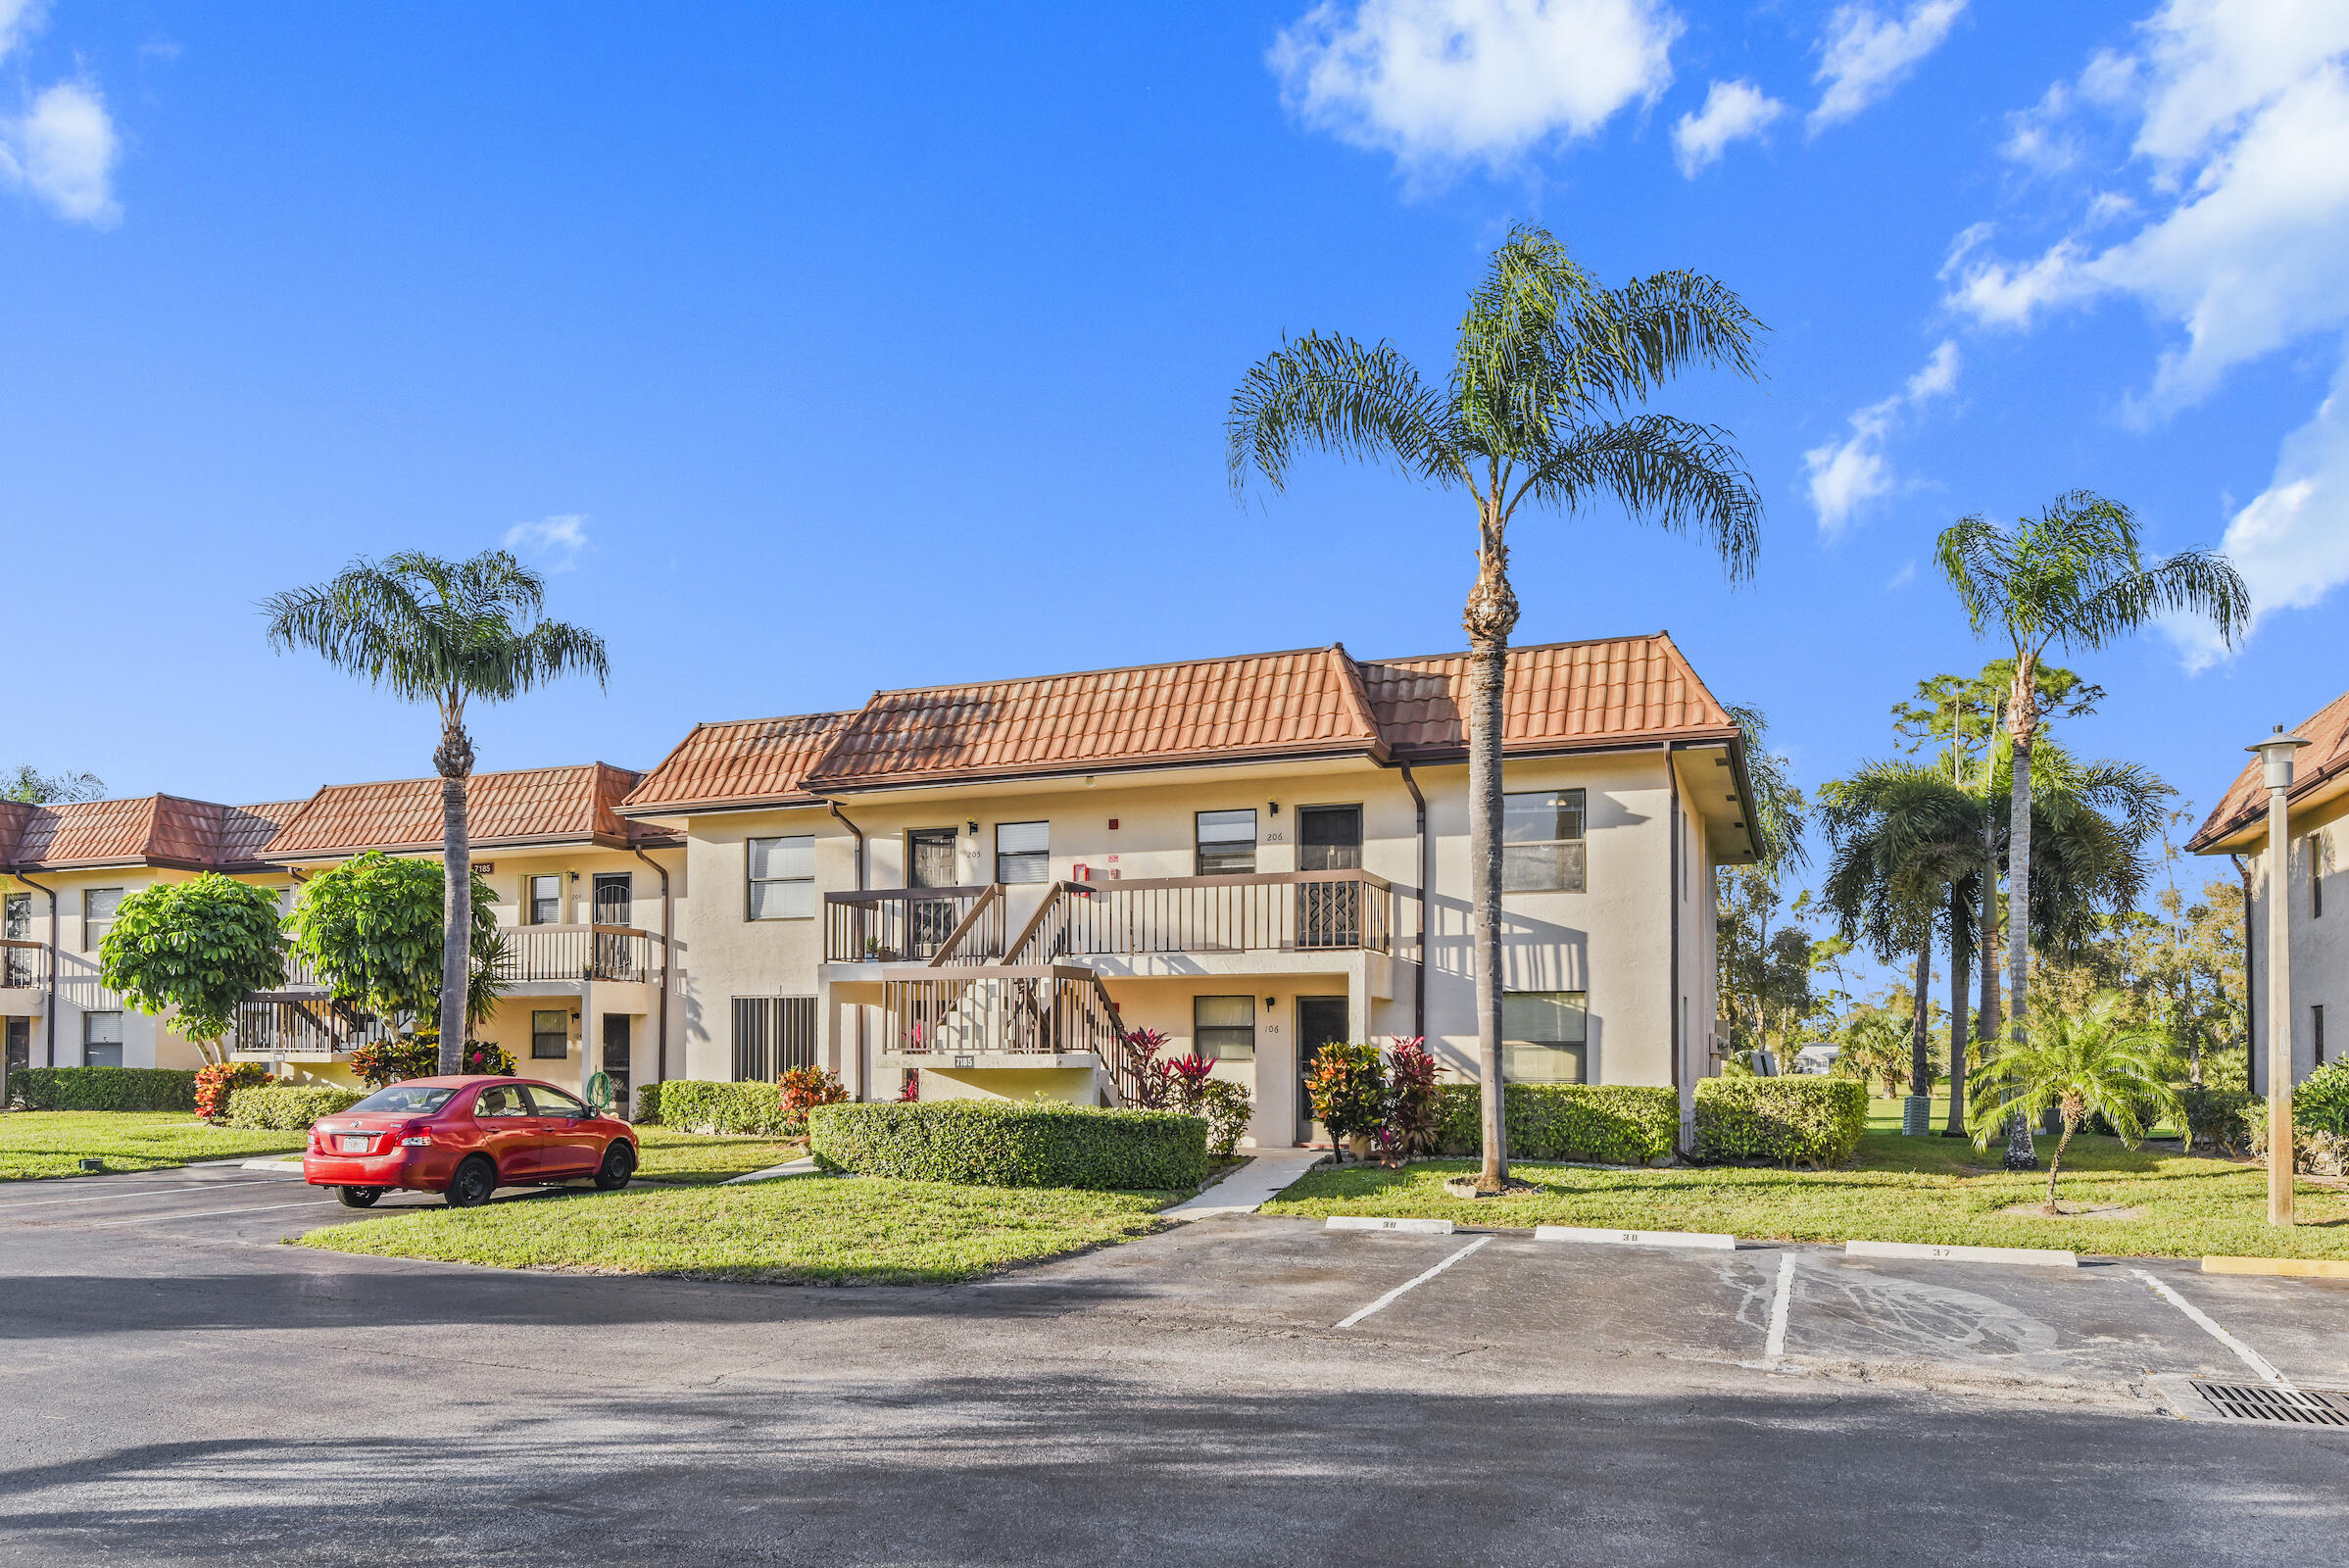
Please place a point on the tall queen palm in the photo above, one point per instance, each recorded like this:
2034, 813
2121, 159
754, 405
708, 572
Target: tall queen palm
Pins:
1546, 365
2073, 577
444, 632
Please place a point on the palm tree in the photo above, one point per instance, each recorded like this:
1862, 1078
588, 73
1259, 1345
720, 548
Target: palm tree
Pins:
2073, 577
1544, 366
2079, 1063
443, 632
1906, 839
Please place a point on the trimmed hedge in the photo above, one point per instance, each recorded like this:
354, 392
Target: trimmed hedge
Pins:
2215, 1117
1607, 1124
288, 1108
1816, 1122
104, 1087
1000, 1143
696, 1106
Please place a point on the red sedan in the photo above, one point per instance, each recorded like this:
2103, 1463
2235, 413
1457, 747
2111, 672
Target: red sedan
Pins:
465, 1137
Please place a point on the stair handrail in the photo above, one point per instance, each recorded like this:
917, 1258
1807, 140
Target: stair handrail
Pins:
978, 907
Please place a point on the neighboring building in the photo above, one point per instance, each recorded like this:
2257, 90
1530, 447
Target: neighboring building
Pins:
2313, 853
977, 889
64, 870
982, 884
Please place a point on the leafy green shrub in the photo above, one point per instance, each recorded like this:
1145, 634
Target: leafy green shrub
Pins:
2215, 1118
1814, 1122
1348, 1086
104, 1087
699, 1105
1609, 1124
288, 1108
1227, 1106
2320, 1100
998, 1142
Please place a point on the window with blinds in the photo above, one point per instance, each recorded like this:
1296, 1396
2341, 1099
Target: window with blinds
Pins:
1224, 1027
1541, 842
98, 907
1227, 842
1544, 1037
1024, 852
771, 1036
782, 878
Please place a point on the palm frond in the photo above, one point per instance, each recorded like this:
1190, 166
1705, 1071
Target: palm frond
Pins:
1334, 394
1664, 471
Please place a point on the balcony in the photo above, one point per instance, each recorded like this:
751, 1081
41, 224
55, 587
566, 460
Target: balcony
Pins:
301, 1026
24, 965
1264, 912
1004, 1015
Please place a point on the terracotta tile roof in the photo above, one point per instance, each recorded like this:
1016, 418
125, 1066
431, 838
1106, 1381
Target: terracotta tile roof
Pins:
1558, 695
2323, 760
1303, 703
748, 760
540, 805
167, 830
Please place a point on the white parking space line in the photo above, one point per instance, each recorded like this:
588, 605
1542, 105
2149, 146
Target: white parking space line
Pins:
1394, 1295
127, 1193
1780, 1301
204, 1214
2249, 1356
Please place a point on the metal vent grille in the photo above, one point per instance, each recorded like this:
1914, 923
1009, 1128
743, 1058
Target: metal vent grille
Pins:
2252, 1402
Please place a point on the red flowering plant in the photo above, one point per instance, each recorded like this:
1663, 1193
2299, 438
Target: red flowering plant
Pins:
1152, 1074
216, 1081
1186, 1081
1414, 1107
801, 1089
910, 1092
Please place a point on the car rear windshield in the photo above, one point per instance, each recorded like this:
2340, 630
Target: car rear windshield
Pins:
416, 1098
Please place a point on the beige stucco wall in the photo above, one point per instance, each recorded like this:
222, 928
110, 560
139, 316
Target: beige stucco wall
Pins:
2320, 964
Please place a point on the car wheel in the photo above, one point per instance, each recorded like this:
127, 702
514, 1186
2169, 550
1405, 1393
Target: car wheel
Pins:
475, 1179
620, 1163
358, 1197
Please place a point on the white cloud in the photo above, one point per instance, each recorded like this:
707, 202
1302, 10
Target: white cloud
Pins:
61, 150
1846, 475
1903, 577
1448, 81
557, 541
1866, 54
2291, 541
1732, 111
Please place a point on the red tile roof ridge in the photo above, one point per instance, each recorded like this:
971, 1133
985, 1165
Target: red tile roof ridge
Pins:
1109, 669
1529, 648
2244, 800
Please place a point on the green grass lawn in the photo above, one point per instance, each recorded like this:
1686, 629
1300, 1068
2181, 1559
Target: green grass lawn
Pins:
1897, 1190
53, 1142
807, 1230
667, 1156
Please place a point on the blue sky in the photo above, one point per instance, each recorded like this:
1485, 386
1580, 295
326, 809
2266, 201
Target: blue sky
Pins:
822, 351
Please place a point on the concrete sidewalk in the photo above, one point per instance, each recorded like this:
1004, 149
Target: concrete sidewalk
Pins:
1252, 1186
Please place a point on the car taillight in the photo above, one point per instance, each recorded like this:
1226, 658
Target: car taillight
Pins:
416, 1143
414, 1134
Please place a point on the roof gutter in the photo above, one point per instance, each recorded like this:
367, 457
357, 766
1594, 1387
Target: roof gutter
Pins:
1419, 978
859, 832
668, 956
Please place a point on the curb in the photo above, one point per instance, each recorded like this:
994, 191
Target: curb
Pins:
1356, 1222
291, 1168
1712, 1241
2031, 1257
2310, 1268
805, 1166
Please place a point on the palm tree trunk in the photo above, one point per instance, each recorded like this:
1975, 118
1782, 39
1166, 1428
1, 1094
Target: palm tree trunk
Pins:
2057, 1163
2019, 1153
1921, 1067
1961, 913
1490, 615
455, 760
1985, 1026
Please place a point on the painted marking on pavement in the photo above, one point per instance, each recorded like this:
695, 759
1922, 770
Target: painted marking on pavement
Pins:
1393, 1295
2039, 1256
205, 1213
1710, 1240
2243, 1352
125, 1193
1780, 1301
1357, 1222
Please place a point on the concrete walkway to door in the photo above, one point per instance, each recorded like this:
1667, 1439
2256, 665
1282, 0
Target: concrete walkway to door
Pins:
1252, 1186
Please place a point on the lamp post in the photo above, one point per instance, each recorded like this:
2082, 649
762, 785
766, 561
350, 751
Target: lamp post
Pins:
2275, 756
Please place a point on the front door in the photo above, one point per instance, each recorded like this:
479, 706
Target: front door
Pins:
614, 892
1329, 914
1320, 1021
615, 1060
929, 864
20, 1044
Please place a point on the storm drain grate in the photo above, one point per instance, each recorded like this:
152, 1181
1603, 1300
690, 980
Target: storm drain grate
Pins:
2252, 1402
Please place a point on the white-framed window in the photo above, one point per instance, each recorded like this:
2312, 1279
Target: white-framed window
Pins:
98, 907
1224, 1027
549, 1034
1024, 852
542, 900
782, 878
1541, 842
102, 1040
1227, 842
15, 922
1544, 1037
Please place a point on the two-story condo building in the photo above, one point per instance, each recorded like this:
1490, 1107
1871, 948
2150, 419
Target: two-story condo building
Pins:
2306, 870
977, 889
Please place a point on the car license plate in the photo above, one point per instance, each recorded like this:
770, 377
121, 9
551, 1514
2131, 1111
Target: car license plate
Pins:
355, 1143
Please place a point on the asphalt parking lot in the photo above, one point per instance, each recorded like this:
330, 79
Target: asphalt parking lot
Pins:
180, 1388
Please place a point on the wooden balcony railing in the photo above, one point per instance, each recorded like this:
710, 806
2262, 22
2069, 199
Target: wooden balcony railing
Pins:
579, 953
1021, 1009
1276, 911
278, 1023
23, 962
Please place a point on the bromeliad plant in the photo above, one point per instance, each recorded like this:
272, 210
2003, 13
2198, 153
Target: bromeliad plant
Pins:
2085, 1064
